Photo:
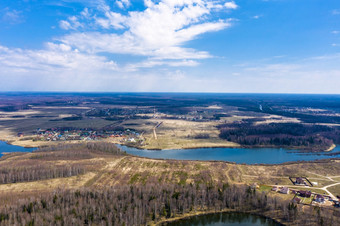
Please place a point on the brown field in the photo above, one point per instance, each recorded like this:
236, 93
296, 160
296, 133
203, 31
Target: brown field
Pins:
175, 134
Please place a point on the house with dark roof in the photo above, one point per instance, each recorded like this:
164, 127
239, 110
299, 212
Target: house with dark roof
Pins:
300, 181
306, 194
319, 199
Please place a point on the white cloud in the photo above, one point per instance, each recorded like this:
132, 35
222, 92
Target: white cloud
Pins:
58, 57
85, 13
71, 24
11, 16
231, 5
152, 63
112, 20
159, 31
123, 3
257, 17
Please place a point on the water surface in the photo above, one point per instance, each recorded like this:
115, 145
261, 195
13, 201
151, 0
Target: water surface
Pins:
6, 148
219, 219
238, 155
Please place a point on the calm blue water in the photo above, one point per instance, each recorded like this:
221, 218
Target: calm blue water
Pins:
238, 155
4, 147
219, 219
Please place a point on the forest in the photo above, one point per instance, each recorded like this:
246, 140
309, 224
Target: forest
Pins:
140, 205
306, 137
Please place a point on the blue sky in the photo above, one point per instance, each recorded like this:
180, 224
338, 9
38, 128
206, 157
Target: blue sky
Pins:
261, 46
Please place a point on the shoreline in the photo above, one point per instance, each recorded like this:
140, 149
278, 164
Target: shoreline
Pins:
331, 148
235, 147
36, 144
202, 213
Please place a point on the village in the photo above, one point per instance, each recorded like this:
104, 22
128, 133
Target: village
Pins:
305, 195
76, 134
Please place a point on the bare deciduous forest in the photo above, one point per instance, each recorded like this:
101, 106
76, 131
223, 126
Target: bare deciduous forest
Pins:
139, 205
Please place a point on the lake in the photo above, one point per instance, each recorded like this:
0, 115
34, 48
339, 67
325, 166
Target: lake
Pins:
219, 219
4, 147
238, 155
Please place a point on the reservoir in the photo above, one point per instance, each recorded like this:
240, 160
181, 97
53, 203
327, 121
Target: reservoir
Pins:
219, 219
237, 155
6, 148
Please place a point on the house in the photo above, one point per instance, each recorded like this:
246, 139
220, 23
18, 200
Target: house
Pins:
284, 190
319, 199
274, 188
306, 194
300, 181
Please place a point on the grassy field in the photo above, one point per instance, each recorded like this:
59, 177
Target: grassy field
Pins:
335, 190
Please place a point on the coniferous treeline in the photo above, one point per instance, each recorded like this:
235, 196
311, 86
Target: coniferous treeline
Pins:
311, 138
138, 205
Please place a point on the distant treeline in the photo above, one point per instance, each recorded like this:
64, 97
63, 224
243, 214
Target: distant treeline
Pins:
139, 205
309, 137
305, 117
14, 108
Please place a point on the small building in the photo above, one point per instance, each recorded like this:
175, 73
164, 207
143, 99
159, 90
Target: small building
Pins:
284, 190
300, 181
274, 188
306, 194
319, 199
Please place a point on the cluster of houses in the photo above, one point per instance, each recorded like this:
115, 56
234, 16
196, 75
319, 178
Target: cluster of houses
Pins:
300, 194
66, 134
